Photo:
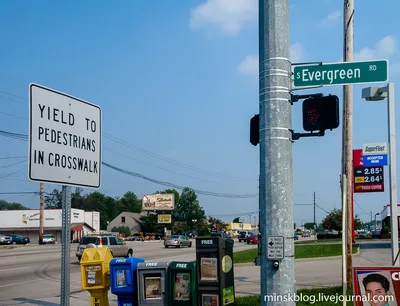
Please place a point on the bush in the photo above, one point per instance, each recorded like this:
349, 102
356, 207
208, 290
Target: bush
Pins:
248, 300
328, 236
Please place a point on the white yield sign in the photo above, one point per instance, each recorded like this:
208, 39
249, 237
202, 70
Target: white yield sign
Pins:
64, 139
275, 247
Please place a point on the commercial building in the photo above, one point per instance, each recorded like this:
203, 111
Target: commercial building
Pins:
128, 219
26, 223
385, 217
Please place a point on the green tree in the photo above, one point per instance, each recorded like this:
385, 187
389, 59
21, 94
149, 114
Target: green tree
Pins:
188, 209
333, 221
357, 223
309, 225
4, 205
151, 225
222, 225
129, 203
236, 220
53, 200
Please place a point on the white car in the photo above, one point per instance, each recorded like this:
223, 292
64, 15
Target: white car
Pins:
49, 238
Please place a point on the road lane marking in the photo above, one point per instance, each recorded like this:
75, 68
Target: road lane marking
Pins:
14, 269
20, 283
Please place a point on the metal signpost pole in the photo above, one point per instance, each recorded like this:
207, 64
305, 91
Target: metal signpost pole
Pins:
276, 180
66, 245
392, 172
344, 236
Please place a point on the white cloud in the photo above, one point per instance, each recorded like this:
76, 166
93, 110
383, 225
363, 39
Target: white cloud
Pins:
386, 47
249, 66
332, 19
229, 15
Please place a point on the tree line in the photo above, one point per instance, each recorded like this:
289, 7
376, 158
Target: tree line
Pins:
187, 215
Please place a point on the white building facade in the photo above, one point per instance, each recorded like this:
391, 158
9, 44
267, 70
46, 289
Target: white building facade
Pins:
26, 223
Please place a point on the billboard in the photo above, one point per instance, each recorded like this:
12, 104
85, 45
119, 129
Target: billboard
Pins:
368, 179
164, 218
376, 286
158, 202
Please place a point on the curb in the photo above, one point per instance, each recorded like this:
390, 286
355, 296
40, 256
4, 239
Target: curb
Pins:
247, 264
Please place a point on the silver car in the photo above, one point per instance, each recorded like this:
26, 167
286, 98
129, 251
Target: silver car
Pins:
177, 241
5, 239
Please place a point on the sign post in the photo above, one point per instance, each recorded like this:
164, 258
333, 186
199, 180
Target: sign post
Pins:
65, 149
345, 73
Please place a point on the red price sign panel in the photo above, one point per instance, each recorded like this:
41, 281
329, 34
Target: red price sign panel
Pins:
368, 179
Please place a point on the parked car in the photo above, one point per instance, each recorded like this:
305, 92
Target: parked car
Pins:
222, 235
376, 234
243, 235
118, 247
253, 239
364, 234
5, 239
18, 239
177, 241
48, 239
305, 234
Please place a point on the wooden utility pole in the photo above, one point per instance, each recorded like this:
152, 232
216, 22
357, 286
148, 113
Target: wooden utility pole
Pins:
41, 219
347, 162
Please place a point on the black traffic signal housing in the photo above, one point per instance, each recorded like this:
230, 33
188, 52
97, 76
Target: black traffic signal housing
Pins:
255, 130
321, 113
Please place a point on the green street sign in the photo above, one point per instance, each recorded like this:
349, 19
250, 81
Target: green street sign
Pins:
344, 73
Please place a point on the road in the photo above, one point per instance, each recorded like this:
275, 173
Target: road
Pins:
33, 272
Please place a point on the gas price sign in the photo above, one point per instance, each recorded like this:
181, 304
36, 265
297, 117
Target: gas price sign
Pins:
368, 179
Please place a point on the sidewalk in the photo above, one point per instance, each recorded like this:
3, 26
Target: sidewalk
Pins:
318, 272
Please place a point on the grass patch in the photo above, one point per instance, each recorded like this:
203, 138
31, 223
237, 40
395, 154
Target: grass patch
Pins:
310, 297
301, 251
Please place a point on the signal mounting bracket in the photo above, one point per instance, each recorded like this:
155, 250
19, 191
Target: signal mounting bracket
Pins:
297, 136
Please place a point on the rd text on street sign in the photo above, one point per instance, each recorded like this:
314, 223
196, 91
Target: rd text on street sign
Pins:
331, 74
375, 160
275, 247
64, 139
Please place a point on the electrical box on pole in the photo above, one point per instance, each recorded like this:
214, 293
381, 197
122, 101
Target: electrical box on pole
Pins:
321, 113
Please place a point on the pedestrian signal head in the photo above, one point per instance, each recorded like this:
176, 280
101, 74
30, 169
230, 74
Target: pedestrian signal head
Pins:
320, 114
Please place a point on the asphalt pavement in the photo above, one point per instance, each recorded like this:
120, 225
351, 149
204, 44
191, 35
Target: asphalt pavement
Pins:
31, 275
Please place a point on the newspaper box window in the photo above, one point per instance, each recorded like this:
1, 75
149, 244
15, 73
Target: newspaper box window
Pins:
182, 277
153, 283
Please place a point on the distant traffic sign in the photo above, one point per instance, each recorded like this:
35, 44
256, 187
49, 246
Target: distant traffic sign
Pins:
343, 73
375, 160
275, 247
368, 179
64, 139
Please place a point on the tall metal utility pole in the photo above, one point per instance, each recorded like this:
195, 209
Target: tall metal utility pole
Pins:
315, 223
347, 165
41, 219
276, 170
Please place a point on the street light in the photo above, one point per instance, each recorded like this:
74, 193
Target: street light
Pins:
379, 94
377, 214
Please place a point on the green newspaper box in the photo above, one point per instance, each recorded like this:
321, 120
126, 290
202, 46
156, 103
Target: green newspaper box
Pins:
182, 280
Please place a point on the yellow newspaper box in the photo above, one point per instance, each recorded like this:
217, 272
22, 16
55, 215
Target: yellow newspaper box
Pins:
95, 274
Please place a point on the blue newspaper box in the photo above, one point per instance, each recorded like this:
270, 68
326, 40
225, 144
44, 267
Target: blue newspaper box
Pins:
123, 280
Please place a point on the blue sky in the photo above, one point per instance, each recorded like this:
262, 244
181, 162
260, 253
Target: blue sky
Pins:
179, 79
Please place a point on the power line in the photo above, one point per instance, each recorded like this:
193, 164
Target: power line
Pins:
12, 157
10, 165
24, 137
130, 157
171, 161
